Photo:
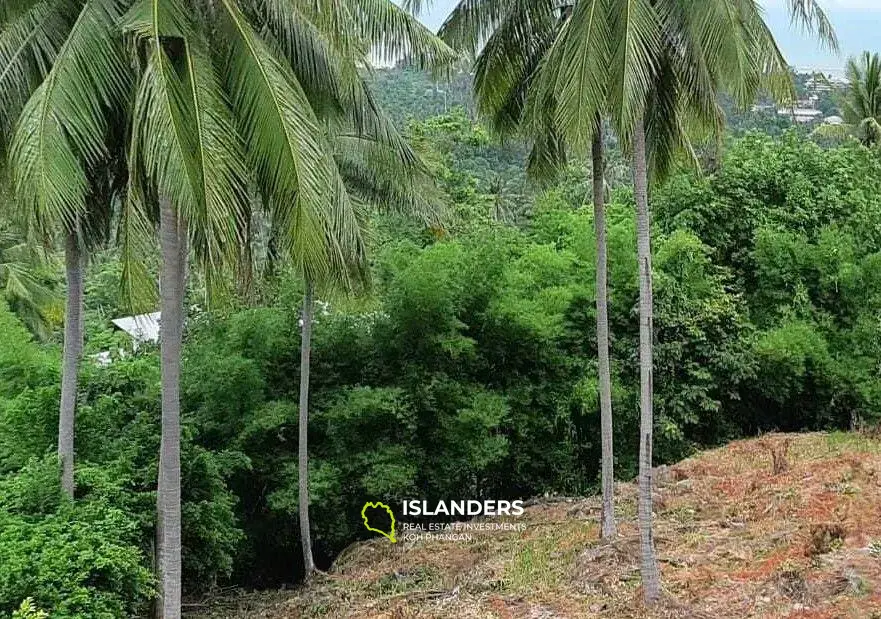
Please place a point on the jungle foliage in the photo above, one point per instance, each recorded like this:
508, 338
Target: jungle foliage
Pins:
469, 372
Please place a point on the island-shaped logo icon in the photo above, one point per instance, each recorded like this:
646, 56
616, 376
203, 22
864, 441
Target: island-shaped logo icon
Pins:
377, 505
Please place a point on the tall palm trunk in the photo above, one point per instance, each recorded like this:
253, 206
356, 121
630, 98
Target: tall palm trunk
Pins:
599, 217
648, 560
246, 258
172, 280
73, 349
305, 356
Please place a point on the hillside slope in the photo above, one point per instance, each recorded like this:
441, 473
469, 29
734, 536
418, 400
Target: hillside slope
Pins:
735, 539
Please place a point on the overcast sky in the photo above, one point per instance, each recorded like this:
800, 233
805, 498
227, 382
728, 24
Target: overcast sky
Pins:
857, 22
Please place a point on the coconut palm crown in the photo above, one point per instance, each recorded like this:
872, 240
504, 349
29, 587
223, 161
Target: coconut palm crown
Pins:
862, 103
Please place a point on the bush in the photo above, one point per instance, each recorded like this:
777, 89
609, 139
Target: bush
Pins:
79, 562
798, 227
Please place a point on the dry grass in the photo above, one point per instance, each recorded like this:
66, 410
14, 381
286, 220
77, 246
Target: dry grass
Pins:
785, 526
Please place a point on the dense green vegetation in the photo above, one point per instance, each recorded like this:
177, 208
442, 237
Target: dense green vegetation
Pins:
470, 371
237, 156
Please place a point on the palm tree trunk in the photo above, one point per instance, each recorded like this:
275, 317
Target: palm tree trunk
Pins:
609, 529
246, 258
648, 560
172, 280
305, 356
73, 350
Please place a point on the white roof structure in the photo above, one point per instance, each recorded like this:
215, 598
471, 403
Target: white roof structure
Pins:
834, 120
142, 328
801, 115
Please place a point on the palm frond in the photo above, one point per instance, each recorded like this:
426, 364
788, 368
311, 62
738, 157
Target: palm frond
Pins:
670, 120
323, 58
416, 7
576, 75
393, 34
219, 155
811, 16
29, 298
23, 270
333, 19
509, 61
547, 157
769, 59
344, 225
861, 105
689, 69
725, 46
13, 9
48, 178
472, 22
374, 171
329, 72
63, 126
136, 238
30, 37
635, 30
184, 137
285, 143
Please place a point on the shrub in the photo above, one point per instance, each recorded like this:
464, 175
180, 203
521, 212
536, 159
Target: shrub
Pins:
79, 562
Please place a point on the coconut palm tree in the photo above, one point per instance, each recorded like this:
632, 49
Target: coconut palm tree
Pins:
862, 103
374, 168
52, 64
292, 80
510, 40
220, 98
657, 66
377, 170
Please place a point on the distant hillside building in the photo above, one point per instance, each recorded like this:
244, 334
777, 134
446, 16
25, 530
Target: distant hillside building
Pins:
819, 83
802, 115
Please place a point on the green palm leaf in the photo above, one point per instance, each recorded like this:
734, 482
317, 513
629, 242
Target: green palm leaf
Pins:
323, 58
374, 171
328, 70
30, 38
635, 29
577, 72
471, 22
184, 140
811, 16
285, 142
392, 34
22, 279
64, 124
862, 103
13, 9
509, 60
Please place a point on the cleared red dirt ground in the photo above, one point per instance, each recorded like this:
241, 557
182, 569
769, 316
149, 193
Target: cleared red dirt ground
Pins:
736, 539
